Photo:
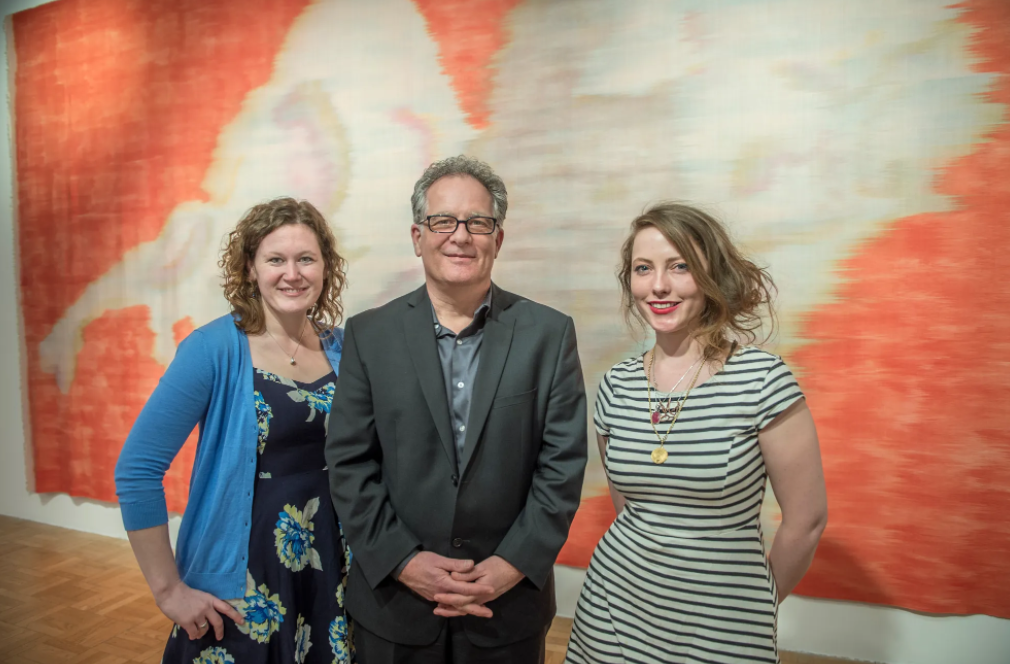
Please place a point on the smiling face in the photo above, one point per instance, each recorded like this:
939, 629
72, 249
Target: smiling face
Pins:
458, 259
288, 270
662, 286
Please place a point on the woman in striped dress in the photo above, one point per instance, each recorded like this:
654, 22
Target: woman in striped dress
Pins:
688, 433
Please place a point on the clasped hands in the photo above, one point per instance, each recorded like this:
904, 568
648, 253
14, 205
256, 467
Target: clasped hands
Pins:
459, 586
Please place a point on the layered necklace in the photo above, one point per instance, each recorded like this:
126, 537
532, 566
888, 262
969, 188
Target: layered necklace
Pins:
668, 412
298, 343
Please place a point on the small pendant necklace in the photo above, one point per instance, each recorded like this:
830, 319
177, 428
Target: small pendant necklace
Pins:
665, 412
298, 343
660, 454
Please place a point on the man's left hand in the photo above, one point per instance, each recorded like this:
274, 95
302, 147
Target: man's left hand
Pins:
495, 572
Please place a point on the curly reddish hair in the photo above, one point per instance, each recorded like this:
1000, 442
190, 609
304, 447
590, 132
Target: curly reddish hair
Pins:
241, 246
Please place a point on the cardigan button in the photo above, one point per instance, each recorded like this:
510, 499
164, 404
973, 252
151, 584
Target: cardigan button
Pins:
458, 542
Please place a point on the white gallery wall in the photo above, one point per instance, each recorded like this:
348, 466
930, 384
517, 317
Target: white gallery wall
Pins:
835, 628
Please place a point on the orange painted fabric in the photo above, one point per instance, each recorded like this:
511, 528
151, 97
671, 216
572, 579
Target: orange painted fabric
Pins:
469, 34
117, 112
916, 447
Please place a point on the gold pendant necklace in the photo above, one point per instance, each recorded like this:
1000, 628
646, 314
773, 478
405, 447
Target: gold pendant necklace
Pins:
659, 455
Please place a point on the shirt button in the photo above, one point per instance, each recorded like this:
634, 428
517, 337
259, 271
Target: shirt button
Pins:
459, 384
438, 327
462, 427
457, 542
459, 342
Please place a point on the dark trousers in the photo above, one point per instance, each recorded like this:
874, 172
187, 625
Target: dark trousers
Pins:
451, 647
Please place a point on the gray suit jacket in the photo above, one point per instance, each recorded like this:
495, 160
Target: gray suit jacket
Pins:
392, 461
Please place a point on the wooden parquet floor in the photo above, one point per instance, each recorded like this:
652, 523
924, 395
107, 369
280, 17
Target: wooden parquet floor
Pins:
68, 597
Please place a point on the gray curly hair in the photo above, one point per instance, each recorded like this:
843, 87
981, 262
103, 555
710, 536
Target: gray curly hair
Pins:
460, 165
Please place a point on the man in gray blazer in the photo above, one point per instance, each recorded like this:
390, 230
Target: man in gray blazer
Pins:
457, 445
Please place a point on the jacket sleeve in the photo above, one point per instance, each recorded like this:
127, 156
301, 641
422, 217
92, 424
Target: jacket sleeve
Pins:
378, 539
533, 542
176, 406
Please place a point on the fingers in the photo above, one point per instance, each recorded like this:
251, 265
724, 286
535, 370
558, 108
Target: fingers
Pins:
450, 611
460, 565
472, 575
227, 609
453, 600
446, 611
449, 601
192, 631
196, 627
470, 590
452, 564
217, 624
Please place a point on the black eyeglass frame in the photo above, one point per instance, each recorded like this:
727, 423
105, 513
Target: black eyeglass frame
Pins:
465, 222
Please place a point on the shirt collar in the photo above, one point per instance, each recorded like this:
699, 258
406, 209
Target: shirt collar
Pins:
479, 319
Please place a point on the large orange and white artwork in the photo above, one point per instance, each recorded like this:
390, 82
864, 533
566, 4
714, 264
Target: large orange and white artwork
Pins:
860, 149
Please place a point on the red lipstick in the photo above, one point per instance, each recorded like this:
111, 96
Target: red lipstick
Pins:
663, 309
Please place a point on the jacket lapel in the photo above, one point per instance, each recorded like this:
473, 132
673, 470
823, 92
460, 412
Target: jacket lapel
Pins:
420, 332
494, 350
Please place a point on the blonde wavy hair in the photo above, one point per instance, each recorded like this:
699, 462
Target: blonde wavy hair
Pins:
736, 290
240, 248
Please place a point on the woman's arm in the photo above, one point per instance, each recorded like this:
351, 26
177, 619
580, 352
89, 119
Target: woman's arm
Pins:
793, 460
170, 414
193, 610
615, 495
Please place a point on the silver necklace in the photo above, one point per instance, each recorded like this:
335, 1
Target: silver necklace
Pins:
298, 344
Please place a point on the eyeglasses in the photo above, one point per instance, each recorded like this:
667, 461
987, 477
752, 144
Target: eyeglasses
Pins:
444, 223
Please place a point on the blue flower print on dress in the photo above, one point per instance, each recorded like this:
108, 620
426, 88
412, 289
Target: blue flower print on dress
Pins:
339, 640
302, 642
263, 416
214, 655
293, 537
319, 401
262, 611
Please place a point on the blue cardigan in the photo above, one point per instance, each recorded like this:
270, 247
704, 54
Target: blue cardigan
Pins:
210, 383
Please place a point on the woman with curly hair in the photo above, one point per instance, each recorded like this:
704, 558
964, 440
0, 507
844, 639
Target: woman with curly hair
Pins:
258, 572
688, 433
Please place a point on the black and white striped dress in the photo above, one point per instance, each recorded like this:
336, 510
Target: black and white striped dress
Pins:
681, 575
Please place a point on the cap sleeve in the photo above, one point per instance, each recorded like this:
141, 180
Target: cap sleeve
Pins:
778, 391
601, 414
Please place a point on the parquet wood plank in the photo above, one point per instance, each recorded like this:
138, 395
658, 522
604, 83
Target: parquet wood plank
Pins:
64, 623
42, 651
96, 656
106, 630
12, 639
9, 600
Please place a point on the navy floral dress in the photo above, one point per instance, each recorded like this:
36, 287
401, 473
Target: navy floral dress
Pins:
298, 560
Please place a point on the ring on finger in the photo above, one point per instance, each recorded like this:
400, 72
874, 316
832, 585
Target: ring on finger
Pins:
202, 625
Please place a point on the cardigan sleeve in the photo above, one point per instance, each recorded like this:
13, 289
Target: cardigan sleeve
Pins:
176, 406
